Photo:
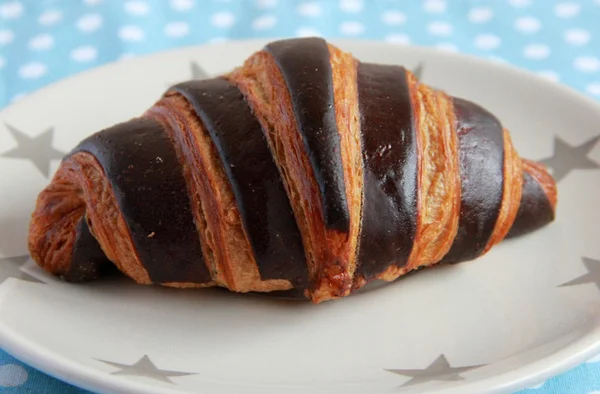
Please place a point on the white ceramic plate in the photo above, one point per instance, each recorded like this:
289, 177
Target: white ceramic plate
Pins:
525, 311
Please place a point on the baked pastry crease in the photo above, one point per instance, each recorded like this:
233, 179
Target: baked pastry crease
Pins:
303, 172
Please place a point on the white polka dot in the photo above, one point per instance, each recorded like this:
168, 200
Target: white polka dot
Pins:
549, 75
536, 51
487, 41
262, 4
12, 375
131, 33
89, 22
351, 5
41, 42
587, 63
398, 38
84, 53
92, 3
6, 37
182, 5
440, 28
11, 10
447, 46
393, 17
595, 359
352, 28
480, 15
309, 9
136, 7
32, 70
223, 19
50, 17
594, 88
307, 32
577, 36
264, 22
528, 24
567, 10
177, 29
520, 3
434, 6
2, 62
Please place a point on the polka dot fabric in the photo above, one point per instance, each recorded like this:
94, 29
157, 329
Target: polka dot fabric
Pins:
43, 41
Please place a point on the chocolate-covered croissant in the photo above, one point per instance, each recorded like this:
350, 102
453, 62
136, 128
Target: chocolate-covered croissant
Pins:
303, 171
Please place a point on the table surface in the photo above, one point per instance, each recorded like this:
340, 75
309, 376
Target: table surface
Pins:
43, 41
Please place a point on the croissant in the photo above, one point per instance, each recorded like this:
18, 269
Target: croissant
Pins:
303, 172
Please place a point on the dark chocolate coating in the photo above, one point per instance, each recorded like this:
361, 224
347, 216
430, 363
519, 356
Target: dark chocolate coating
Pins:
390, 168
305, 66
87, 258
141, 164
255, 180
481, 152
535, 210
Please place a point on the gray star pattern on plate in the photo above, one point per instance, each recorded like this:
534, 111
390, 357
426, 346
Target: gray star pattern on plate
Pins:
439, 370
9, 268
418, 71
592, 276
197, 71
37, 149
567, 158
146, 368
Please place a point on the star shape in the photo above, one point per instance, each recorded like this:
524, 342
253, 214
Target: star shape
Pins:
37, 149
196, 72
567, 158
10, 268
146, 368
439, 370
592, 276
418, 71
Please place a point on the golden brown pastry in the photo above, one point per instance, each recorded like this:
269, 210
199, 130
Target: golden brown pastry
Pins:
304, 171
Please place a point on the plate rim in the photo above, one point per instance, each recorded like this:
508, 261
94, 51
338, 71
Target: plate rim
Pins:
86, 377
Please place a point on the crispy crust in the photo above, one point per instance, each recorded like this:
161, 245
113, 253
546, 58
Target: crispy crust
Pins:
81, 187
345, 89
178, 127
511, 193
264, 89
330, 254
216, 213
438, 179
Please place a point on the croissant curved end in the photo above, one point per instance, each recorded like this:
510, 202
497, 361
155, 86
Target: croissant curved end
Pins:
304, 172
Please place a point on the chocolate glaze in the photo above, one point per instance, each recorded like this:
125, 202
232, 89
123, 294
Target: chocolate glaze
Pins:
305, 66
390, 168
256, 183
481, 150
87, 258
535, 210
140, 162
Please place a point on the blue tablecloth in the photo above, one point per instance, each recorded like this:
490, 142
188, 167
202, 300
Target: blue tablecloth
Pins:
42, 41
